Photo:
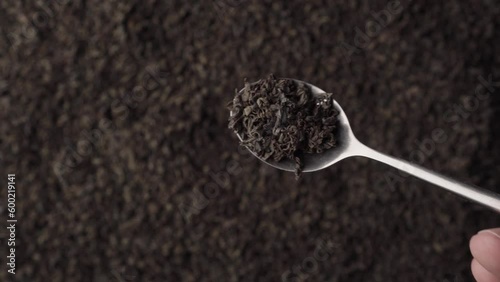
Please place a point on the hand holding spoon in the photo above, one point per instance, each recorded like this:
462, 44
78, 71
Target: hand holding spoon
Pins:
349, 146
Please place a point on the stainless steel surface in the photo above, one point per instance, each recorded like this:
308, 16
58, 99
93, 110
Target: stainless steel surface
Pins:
349, 146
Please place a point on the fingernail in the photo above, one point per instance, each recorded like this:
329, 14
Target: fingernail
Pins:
494, 232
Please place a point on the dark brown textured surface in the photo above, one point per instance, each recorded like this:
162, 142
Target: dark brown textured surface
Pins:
163, 193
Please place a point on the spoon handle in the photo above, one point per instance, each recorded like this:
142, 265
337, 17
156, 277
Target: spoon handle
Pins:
481, 196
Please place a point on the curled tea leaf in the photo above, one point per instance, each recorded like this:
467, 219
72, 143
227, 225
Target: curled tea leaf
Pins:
281, 119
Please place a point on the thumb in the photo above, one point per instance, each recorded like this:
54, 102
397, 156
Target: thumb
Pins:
485, 247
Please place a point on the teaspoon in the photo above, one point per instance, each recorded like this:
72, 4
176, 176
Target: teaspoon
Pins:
349, 146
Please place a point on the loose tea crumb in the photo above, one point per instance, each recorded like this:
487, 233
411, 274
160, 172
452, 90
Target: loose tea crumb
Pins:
281, 119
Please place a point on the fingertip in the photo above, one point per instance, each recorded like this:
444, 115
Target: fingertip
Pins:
485, 248
481, 274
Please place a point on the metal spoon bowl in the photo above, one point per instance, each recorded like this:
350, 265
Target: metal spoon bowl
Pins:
349, 146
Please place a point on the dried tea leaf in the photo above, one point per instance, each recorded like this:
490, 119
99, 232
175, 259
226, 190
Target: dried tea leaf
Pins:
282, 119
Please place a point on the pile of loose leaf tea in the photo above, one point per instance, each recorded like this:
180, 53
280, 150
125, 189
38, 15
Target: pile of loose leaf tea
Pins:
280, 119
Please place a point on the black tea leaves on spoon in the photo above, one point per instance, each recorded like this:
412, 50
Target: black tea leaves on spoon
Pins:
280, 119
